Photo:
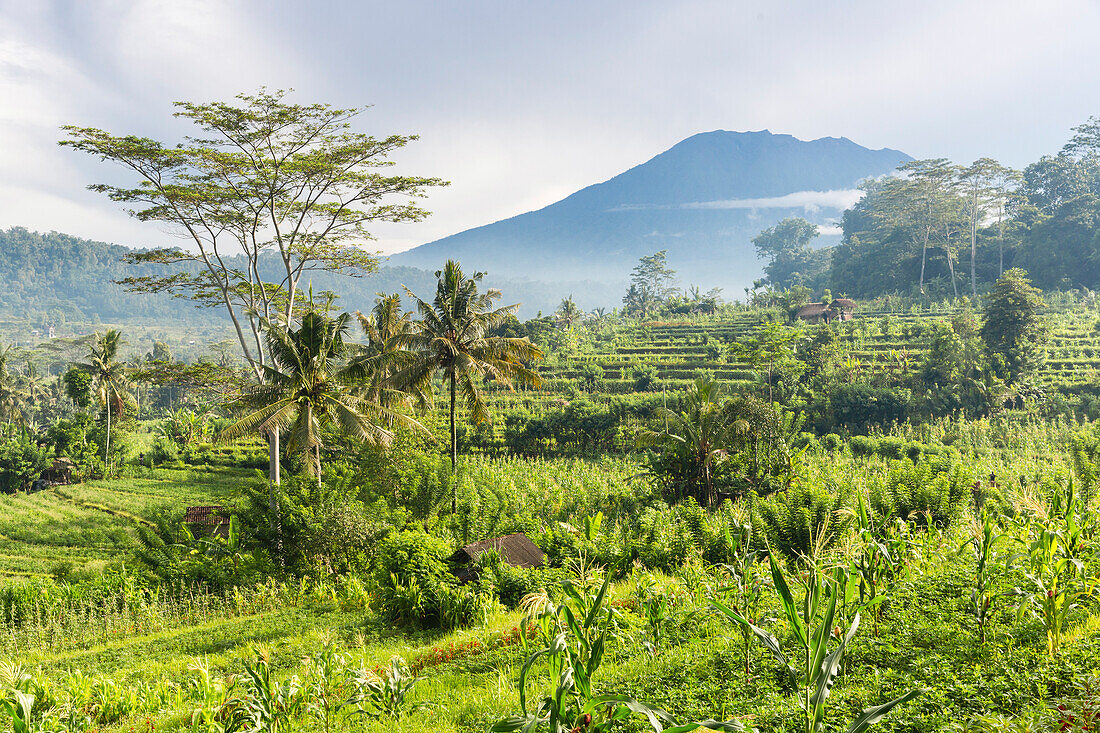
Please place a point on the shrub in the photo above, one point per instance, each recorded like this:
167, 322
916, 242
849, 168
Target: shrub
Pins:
801, 519
926, 492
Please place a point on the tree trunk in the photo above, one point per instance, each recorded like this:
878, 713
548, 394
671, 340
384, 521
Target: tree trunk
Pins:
1001, 240
273, 457
107, 445
973, 257
951, 269
273, 485
923, 259
454, 450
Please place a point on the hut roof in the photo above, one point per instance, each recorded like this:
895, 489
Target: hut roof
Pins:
209, 515
61, 463
846, 303
515, 549
811, 309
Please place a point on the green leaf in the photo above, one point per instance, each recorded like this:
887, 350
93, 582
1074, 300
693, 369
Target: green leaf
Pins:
870, 716
765, 638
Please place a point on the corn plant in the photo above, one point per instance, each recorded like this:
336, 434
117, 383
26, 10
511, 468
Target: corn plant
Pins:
18, 706
988, 566
745, 591
386, 696
655, 605
1055, 583
813, 667
269, 706
574, 635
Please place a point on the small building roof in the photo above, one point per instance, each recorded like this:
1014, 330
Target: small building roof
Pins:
811, 309
210, 515
846, 303
515, 549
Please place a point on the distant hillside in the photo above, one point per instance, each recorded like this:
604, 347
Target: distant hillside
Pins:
703, 200
56, 279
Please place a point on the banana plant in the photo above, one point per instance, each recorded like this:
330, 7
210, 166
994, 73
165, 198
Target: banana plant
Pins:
575, 634
812, 666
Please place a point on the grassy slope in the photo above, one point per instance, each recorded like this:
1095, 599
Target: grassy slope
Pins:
90, 523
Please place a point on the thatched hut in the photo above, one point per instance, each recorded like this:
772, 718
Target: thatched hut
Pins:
516, 550
840, 309
60, 472
207, 521
813, 313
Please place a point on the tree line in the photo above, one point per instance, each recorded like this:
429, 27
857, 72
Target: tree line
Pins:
941, 229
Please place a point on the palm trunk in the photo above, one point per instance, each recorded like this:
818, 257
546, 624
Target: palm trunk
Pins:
273, 486
107, 445
454, 450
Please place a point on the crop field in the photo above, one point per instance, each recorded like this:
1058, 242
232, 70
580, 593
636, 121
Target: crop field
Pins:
91, 524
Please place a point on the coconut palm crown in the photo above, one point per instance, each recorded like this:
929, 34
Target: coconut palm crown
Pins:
453, 338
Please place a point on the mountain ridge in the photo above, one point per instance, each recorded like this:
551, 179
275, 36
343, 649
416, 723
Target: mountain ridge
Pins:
598, 231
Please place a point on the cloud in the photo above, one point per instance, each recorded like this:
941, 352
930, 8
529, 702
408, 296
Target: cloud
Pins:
811, 202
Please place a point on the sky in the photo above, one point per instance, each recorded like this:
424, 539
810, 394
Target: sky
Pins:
519, 103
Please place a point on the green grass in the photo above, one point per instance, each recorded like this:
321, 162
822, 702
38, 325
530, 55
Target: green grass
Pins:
92, 523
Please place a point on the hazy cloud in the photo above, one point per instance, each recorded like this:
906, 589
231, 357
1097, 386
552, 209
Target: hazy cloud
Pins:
811, 202
520, 104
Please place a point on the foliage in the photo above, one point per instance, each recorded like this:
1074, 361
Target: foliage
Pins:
452, 337
264, 178
574, 635
813, 667
21, 462
1013, 328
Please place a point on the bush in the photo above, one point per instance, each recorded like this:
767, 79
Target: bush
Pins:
22, 461
793, 521
926, 492
411, 555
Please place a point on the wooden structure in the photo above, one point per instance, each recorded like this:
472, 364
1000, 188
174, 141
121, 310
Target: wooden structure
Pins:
840, 309
59, 473
207, 521
515, 549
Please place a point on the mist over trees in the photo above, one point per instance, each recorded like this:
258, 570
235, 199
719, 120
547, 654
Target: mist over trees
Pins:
941, 229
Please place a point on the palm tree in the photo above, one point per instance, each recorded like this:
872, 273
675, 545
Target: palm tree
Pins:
307, 387
387, 330
452, 338
12, 398
109, 382
698, 438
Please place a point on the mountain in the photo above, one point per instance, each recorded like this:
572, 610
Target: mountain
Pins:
703, 200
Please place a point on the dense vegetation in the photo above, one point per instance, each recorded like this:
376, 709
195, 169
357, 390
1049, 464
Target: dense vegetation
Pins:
747, 521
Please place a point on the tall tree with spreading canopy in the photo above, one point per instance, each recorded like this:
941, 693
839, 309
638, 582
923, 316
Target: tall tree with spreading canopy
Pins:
651, 282
786, 247
266, 192
453, 338
918, 204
